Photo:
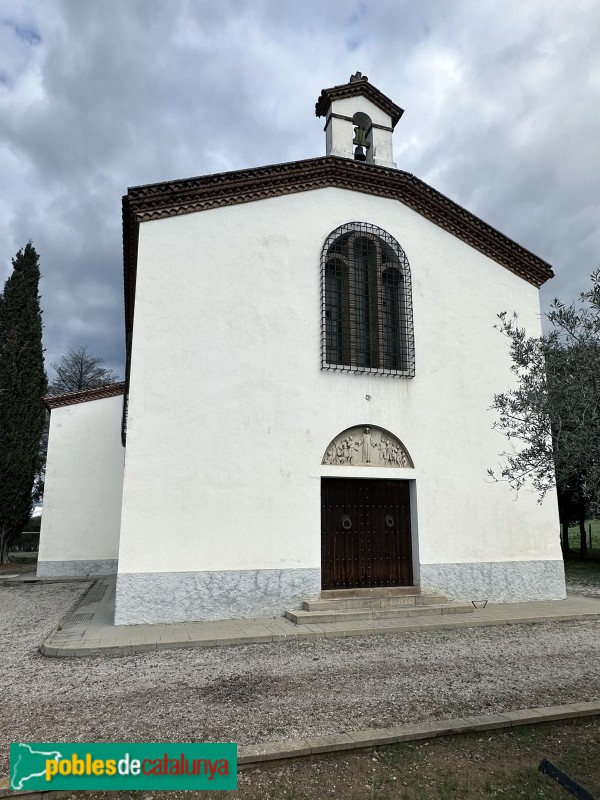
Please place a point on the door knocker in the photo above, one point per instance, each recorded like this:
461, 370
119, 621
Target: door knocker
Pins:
346, 522
389, 520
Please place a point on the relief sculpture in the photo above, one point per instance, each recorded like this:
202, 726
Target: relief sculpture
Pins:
367, 446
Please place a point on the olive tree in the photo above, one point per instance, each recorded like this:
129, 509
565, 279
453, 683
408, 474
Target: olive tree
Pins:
551, 418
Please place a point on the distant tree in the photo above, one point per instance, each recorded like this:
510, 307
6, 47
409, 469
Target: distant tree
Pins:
34, 524
552, 417
37, 492
78, 369
22, 386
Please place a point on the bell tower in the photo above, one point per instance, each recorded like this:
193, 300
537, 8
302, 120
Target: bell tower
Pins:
359, 121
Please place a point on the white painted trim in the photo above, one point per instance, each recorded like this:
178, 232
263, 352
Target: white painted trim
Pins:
345, 471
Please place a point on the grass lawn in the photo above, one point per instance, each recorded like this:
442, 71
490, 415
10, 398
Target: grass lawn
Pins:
574, 537
20, 557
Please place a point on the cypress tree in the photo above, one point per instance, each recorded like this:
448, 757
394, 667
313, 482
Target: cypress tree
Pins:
22, 386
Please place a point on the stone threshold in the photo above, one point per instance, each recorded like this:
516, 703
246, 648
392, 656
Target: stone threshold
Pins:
251, 755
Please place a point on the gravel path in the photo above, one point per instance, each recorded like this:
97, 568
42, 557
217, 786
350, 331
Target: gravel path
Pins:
253, 693
584, 585
583, 578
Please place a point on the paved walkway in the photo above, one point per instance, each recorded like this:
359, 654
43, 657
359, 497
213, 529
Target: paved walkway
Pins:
87, 629
9, 579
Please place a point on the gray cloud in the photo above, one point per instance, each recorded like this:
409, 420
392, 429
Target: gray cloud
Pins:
501, 115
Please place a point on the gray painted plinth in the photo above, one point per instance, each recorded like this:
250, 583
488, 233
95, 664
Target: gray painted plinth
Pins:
61, 569
146, 598
499, 582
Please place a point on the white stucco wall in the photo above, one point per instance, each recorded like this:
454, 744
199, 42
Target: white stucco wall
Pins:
83, 489
349, 106
224, 447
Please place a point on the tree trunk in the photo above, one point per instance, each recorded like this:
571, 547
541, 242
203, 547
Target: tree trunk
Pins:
8, 536
3, 547
564, 539
583, 551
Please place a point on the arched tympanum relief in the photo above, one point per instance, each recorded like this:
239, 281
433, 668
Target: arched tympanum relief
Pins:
367, 446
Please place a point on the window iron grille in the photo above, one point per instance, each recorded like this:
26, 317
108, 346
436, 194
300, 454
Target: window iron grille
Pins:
366, 303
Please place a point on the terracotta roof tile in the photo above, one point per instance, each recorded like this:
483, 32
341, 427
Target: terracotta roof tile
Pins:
84, 395
357, 86
173, 198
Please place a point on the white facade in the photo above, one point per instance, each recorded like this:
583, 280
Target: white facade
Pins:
84, 484
221, 502
221, 512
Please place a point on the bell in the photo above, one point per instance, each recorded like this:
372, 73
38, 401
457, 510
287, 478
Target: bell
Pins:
359, 154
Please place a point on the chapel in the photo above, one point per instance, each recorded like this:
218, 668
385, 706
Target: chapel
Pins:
311, 361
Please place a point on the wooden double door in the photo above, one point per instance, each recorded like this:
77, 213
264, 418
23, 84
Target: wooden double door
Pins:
365, 533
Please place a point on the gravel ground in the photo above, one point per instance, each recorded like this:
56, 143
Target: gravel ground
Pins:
13, 569
252, 693
584, 588
583, 578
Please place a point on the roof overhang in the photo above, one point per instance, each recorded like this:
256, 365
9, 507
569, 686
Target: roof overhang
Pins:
357, 88
174, 198
84, 395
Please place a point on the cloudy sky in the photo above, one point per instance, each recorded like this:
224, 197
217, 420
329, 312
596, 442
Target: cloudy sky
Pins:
501, 99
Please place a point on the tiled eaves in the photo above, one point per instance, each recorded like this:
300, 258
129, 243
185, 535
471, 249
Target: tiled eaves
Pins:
84, 395
174, 198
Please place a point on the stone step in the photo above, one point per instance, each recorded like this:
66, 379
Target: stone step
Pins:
381, 591
349, 615
399, 601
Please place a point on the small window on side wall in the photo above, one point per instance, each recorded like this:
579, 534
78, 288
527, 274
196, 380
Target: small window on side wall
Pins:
366, 303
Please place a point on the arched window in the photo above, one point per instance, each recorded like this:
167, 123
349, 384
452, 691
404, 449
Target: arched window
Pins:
367, 323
